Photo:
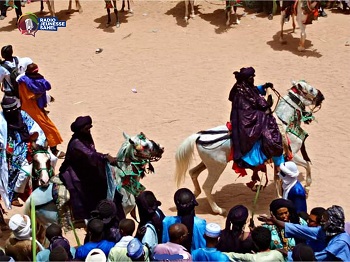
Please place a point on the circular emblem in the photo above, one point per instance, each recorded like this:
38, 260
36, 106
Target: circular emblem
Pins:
28, 24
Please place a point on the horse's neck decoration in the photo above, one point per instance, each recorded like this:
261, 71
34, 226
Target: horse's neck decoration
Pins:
292, 109
134, 161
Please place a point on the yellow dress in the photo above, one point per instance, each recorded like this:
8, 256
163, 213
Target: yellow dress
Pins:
29, 104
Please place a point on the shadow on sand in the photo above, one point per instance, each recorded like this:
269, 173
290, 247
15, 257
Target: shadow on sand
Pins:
291, 44
178, 11
102, 21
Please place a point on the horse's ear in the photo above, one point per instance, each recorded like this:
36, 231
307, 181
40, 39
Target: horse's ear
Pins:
126, 136
34, 136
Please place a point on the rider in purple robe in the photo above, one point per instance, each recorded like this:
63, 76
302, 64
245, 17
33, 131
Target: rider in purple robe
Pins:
83, 171
255, 133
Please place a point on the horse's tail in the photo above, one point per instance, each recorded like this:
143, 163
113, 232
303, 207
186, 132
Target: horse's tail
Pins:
183, 158
26, 210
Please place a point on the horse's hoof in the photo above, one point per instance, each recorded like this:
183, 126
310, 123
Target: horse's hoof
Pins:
108, 24
192, 15
186, 18
130, 11
237, 22
117, 25
301, 48
282, 41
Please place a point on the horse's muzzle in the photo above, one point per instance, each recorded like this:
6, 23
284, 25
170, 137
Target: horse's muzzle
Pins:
319, 98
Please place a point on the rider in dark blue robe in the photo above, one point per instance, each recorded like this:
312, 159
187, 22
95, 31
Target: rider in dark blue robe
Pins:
83, 171
255, 133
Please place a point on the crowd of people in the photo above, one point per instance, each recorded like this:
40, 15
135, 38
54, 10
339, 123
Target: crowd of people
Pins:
284, 236
289, 234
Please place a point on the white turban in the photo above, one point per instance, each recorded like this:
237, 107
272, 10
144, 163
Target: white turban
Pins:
20, 226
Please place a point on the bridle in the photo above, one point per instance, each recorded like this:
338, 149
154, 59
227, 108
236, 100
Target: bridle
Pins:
38, 171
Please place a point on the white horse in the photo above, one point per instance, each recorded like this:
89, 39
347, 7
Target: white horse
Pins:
214, 145
51, 6
134, 161
304, 11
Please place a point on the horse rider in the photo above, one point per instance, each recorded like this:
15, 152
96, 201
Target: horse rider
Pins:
255, 134
15, 134
32, 93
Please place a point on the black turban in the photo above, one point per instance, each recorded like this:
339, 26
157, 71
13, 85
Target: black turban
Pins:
106, 210
238, 214
185, 200
80, 122
244, 73
6, 51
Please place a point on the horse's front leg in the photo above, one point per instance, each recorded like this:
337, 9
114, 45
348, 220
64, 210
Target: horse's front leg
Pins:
117, 23
51, 7
108, 17
301, 46
41, 6
228, 12
308, 179
78, 6
283, 16
194, 173
213, 176
129, 8
192, 8
186, 10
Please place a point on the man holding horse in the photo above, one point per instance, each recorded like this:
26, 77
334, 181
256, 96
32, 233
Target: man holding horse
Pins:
255, 134
83, 171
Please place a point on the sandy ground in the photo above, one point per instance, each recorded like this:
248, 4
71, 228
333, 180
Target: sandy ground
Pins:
183, 74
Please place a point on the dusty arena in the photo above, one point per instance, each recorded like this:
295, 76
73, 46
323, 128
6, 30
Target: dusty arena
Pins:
169, 79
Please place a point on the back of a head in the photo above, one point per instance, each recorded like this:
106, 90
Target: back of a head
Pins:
237, 216
62, 242
302, 252
127, 226
58, 254
176, 232
53, 230
318, 212
262, 238
95, 227
7, 52
147, 202
185, 201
